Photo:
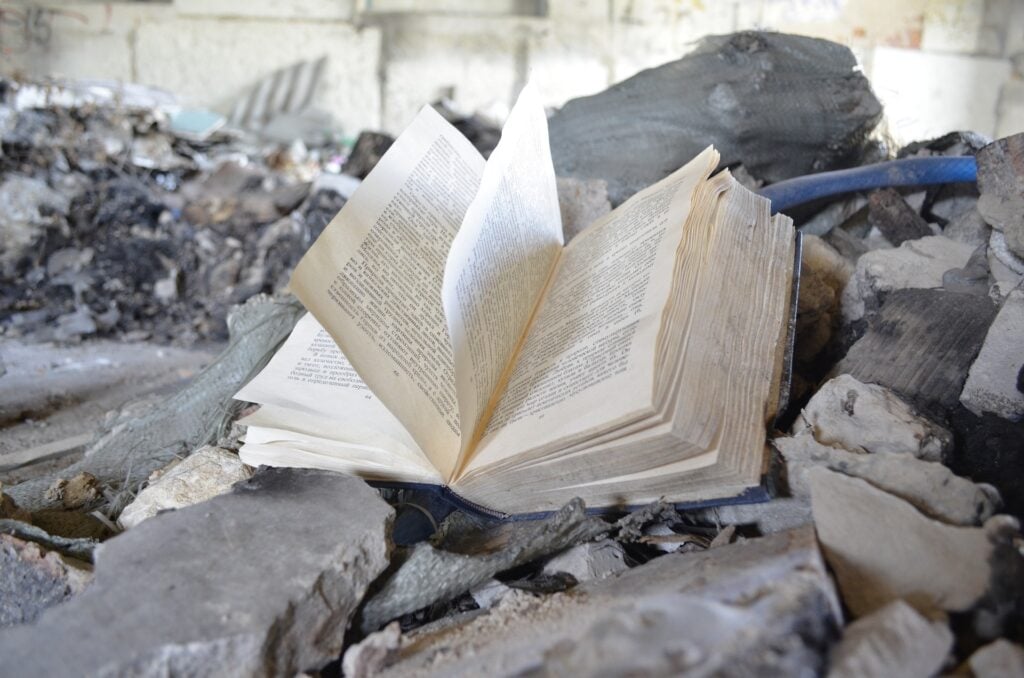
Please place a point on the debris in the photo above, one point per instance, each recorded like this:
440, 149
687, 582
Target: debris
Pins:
915, 264
588, 561
1001, 182
366, 658
80, 491
369, 148
973, 278
9, 510
182, 585
969, 228
717, 94
286, 91
31, 209
995, 382
990, 449
79, 548
823, 275
902, 350
488, 594
898, 221
892, 641
761, 606
34, 580
581, 202
135, 444
998, 659
870, 418
882, 549
204, 474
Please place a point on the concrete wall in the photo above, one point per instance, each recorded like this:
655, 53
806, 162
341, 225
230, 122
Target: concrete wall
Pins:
937, 64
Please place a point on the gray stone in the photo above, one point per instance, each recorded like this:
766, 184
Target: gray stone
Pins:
367, 657
592, 560
969, 228
33, 579
1001, 182
581, 202
261, 581
973, 278
30, 208
870, 418
488, 594
914, 264
760, 607
640, 130
998, 659
995, 380
882, 549
202, 475
897, 221
892, 641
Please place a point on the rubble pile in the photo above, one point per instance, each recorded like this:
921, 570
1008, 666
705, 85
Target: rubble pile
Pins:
892, 545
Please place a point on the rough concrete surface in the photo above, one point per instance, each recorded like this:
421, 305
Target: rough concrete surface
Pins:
261, 581
33, 579
996, 379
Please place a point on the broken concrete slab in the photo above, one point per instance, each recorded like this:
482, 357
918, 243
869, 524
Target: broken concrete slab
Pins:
761, 606
202, 475
892, 641
870, 418
897, 221
715, 94
182, 592
921, 345
929, 486
35, 579
916, 264
969, 228
589, 561
997, 659
1001, 182
995, 382
882, 549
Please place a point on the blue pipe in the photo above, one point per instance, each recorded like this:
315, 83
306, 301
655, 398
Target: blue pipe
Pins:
905, 172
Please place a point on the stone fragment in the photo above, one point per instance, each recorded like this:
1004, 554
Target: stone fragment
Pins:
969, 228
823, 275
488, 594
760, 607
914, 264
82, 489
260, 581
366, 658
870, 418
995, 382
202, 475
892, 641
9, 509
1001, 182
34, 579
643, 128
30, 208
929, 486
998, 659
973, 278
898, 221
581, 202
882, 549
921, 345
369, 148
591, 560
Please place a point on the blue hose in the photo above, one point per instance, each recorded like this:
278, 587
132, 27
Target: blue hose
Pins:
906, 172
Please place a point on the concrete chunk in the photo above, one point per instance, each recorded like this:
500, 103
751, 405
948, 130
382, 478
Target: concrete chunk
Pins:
996, 378
998, 659
894, 641
592, 560
261, 581
34, 579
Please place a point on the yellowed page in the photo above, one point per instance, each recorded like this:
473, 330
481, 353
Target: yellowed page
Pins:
501, 259
373, 278
588, 360
309, 376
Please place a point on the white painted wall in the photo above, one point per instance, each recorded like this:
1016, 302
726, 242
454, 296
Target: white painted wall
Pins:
936, 64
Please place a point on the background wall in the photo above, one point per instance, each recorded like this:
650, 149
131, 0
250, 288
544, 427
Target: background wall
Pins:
938, 65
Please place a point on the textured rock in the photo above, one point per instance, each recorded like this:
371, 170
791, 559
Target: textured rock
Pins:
914, 264
882, 549
929, 486
897, 221
995, 382
761, 607
592, 560
870, 418
202, 475
998, 660
32, 580
261, 581
921, 345
892, 641
30, 208
640, 130
969, 228
1001, 182
581, 202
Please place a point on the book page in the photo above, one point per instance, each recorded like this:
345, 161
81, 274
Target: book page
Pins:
373, 278
588, 360
501, 260
309, 376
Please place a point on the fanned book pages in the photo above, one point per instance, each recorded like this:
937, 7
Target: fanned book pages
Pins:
454, 340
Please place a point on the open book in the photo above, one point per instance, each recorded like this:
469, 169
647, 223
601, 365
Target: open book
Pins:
453, 339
